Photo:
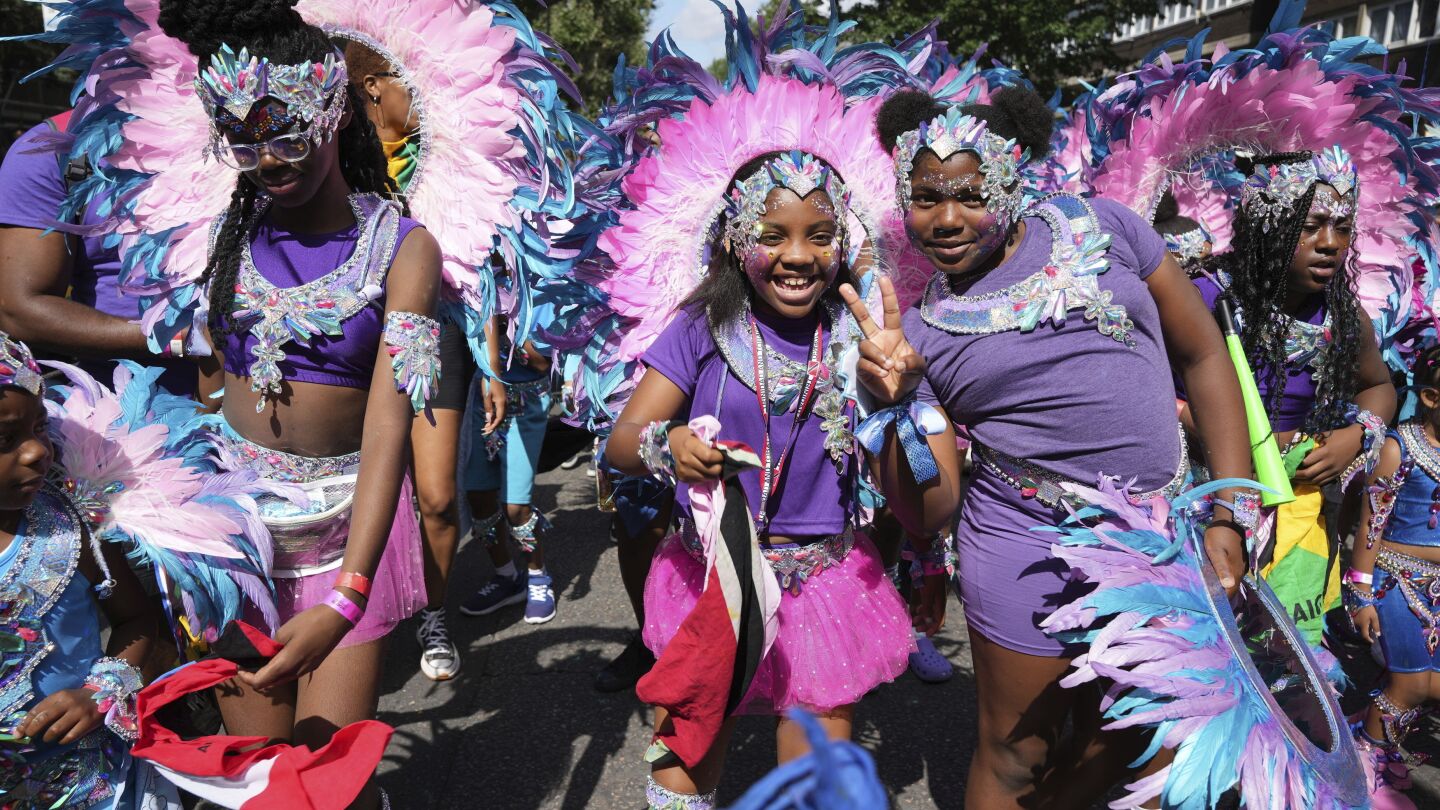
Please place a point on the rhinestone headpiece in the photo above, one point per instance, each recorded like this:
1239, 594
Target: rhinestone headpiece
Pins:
1274, 190
233, 84
18, 367
952, 132
1188, 247
798, 171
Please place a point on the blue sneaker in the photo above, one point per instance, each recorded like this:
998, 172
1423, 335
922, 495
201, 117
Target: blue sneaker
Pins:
495, 594
540, 602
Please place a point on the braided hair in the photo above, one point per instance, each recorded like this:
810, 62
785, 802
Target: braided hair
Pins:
726, 290
274, 30
1259, 268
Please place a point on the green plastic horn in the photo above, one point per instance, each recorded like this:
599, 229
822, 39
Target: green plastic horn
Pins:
1269, 466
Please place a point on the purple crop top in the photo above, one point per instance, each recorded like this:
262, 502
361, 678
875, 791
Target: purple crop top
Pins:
289, 260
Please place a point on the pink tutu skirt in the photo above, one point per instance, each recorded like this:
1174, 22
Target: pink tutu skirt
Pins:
396, 593
846, 632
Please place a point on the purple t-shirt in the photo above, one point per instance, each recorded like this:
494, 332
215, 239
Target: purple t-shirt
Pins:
1074, 401
288, 259
811, 499
1291, 411
33, 192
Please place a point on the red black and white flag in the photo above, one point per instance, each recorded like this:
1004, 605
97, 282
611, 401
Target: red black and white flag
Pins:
246, 772
707, 668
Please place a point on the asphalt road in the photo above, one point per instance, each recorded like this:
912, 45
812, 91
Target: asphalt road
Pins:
522, 728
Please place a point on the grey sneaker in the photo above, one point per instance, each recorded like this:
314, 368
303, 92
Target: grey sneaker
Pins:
439, 659
495, 594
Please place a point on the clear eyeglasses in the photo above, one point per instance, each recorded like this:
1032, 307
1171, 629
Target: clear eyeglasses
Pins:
291, 148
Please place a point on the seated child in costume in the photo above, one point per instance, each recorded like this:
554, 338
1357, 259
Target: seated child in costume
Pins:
1392, 590
68, 707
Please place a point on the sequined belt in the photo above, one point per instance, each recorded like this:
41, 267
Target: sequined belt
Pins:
518, 394
792, 565
1419, 582
1032, 481
309, 528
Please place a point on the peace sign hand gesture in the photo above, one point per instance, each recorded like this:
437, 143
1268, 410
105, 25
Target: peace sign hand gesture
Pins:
889, 366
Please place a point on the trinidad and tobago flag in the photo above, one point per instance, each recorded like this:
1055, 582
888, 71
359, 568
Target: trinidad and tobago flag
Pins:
706, 669
244, 772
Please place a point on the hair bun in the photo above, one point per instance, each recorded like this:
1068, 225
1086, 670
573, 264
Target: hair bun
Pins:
902, 112
1167, 208
1031, 121
204, 25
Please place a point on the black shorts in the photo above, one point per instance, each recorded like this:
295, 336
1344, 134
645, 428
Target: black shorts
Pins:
457, 369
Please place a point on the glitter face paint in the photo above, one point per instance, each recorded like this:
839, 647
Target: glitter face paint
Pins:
1329, 203
797, 252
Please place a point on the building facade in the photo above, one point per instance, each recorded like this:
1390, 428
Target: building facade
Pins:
1409, 28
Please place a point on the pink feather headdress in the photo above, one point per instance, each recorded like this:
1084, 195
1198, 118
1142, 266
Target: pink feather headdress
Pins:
677, 190
1278, 98
495, 173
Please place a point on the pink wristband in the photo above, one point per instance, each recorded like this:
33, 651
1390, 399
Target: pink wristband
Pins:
341, 604
1359, 578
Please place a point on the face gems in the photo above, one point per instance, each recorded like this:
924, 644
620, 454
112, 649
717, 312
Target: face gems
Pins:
231, 87
953, 132
1328, 202
1189, 247
1274, 190
797, 171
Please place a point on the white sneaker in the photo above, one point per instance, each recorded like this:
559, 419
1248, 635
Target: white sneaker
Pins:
440, 661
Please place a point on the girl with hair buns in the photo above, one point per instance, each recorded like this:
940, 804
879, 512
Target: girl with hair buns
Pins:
320, 297
1049, 332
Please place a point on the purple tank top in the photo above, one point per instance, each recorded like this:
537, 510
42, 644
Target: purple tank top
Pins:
1294, 405
288, 260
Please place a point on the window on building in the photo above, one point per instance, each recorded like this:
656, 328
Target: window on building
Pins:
1349, 25
1401, 23
1428, 16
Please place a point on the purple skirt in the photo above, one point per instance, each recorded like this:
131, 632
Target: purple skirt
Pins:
1009, 578
846, 632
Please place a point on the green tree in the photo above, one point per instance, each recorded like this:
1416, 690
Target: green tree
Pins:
1052, 43
23, 105
594, 33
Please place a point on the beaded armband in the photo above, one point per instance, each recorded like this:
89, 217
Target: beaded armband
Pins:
655, 452
940, 559
414, 346
1382, 495
1370, 453
913, 420
115, 684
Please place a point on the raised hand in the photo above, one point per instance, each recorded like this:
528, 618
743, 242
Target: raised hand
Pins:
889, 367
